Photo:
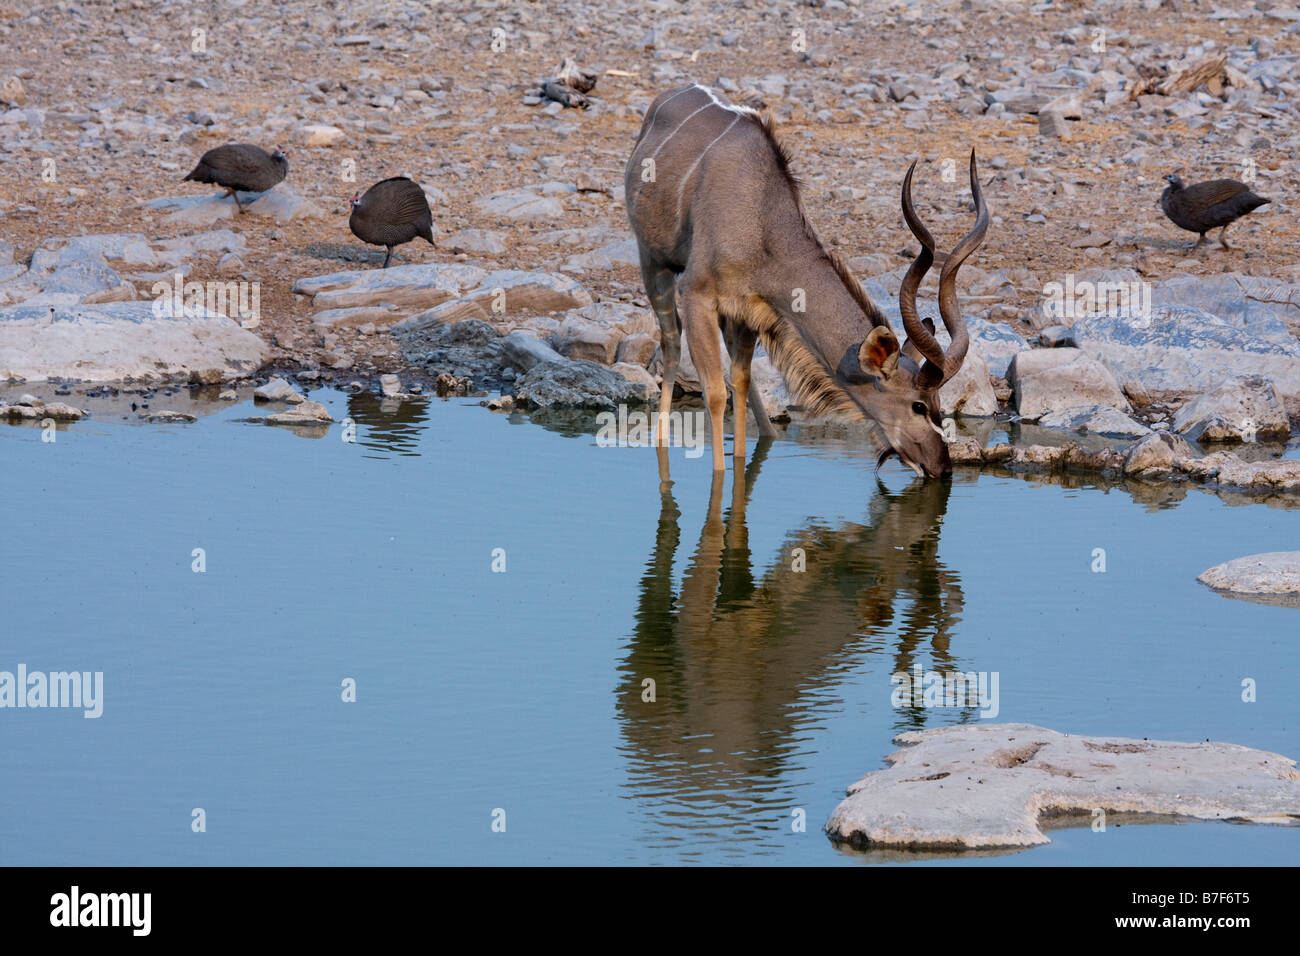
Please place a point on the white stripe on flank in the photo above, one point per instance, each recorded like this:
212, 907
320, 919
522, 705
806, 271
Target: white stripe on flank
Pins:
669, 100
664, 142
681, 186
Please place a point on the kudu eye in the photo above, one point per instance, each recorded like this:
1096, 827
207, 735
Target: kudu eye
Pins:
920, 409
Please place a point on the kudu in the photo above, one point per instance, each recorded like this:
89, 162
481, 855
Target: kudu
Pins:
725, 245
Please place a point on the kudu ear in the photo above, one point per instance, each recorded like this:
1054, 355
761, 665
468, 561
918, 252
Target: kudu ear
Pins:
879, 351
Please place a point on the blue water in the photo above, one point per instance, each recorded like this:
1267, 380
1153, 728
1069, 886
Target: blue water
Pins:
522, 691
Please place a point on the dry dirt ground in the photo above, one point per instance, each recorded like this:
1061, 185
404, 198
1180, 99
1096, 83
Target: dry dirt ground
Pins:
124, 91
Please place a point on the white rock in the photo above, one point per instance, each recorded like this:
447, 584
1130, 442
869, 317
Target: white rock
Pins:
523, 350
1046, 380
382, 315
635, 373
215, 240
277, 390
505, 293
121, 340
981, 786
316, 134
475, 240
970, 392
284, 204
1157, 452
306, 413
1238, 411
520, 204
12, 92
1095, 420
1273, 573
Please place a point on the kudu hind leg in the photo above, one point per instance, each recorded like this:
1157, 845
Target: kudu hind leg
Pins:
699, 312
661, 288
740, 342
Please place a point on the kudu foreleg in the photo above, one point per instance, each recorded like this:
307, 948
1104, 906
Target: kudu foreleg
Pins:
699, 313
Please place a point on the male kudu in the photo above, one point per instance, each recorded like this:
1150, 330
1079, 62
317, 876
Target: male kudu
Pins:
724, 244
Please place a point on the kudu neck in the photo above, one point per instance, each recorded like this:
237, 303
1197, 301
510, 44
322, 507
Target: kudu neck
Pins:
802, 286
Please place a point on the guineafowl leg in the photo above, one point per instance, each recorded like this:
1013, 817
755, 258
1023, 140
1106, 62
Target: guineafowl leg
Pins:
1198, 242
389, 256
235, 196
1223, 238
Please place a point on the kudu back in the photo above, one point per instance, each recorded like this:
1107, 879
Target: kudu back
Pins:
725, 246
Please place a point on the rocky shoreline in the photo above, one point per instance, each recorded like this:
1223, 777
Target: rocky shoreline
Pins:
1203, 385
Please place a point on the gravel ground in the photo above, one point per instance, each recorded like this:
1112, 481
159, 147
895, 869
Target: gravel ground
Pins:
117, 103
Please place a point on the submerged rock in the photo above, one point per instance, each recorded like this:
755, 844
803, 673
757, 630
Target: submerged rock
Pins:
167, 416
986, 786
34, 408
305, 413
277, 390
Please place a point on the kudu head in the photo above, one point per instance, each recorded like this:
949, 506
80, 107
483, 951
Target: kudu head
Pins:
898, 387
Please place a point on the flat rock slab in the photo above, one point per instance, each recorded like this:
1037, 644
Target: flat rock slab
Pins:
505, 292
122, 340
521, 203
986, 787
1275, 574
282, 203
1226, 470
475, 240
1255, 303
411, 287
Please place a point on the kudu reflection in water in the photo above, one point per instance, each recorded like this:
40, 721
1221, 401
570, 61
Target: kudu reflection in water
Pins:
741, 662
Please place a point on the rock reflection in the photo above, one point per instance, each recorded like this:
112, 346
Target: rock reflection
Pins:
386, 425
